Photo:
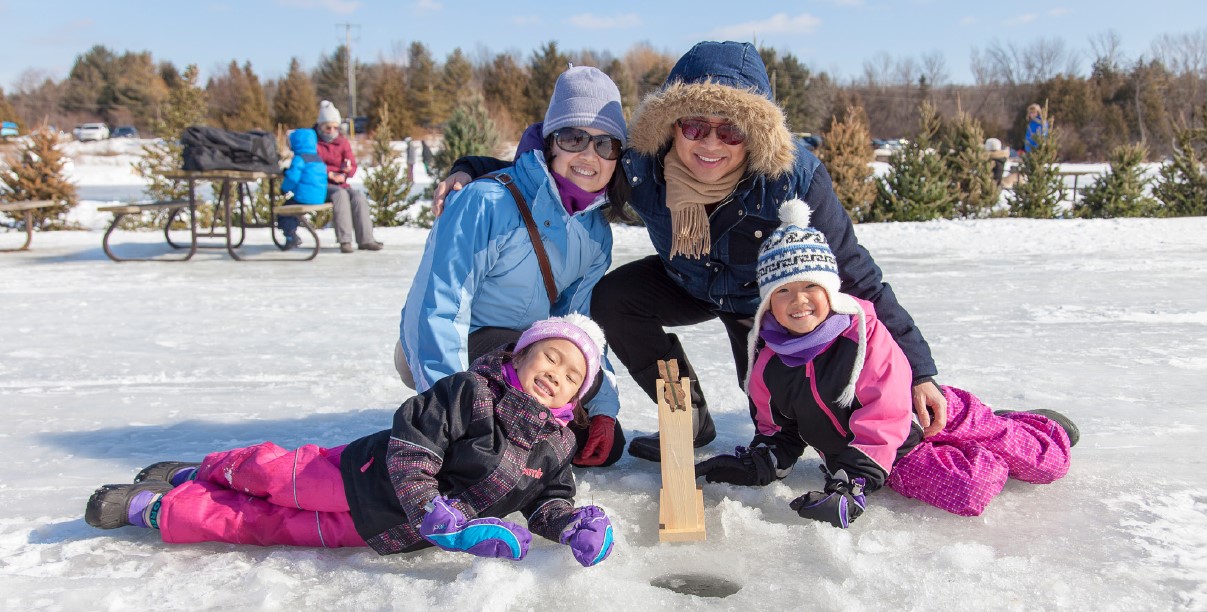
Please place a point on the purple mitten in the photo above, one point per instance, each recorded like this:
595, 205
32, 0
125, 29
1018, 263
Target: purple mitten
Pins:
589, 535
446, 527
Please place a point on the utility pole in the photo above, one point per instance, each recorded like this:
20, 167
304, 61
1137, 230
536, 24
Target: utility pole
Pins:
350, 69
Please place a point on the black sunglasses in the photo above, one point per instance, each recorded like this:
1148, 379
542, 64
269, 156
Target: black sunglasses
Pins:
699, 129
574, 140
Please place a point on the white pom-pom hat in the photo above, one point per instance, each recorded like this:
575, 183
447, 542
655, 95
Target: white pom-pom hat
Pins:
798, 252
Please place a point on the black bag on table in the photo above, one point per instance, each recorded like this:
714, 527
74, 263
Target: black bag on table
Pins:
207, 148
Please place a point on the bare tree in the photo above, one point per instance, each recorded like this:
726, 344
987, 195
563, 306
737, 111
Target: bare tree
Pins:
1183, 54
1107, 48
934, 68
1035, 62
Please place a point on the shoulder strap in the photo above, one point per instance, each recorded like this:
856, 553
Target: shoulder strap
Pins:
537, 246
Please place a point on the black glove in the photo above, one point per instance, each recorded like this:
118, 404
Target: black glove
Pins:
746, 467
839, 505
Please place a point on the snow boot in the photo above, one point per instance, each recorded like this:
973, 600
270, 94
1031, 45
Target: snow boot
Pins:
703, 431
1065, 422
118, 505
175, 473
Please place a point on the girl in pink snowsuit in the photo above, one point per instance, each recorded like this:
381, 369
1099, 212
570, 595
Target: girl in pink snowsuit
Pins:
826, 373
474, 448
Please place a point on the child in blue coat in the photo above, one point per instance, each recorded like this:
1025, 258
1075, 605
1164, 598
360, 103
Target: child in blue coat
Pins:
305, 181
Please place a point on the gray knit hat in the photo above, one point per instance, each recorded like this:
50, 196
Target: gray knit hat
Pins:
328, 113
585, 97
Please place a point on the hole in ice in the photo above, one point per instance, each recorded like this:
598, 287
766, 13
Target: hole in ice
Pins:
700, 585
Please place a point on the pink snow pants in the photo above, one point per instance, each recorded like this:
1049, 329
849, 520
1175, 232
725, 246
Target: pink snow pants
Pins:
964, 466
263, 495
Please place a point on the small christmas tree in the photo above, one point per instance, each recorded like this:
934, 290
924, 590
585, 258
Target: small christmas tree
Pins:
1182, 183
184, 106
35, 172
387, 184
468, 132
848, 157
970, 167
1120, 193
1040, 188
918, 188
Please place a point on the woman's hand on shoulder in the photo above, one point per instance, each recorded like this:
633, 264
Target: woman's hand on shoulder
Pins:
454, 182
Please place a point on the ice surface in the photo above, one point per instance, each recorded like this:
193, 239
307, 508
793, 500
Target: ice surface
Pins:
107, 367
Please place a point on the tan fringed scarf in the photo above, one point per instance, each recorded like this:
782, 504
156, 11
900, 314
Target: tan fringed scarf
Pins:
687, 197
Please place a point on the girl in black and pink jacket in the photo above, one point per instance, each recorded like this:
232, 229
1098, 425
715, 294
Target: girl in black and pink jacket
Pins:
826, 373
477, 446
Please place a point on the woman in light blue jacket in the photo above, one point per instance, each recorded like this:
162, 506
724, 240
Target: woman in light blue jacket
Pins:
480, 281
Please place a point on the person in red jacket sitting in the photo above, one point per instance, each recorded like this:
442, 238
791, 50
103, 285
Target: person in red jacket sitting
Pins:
351, 209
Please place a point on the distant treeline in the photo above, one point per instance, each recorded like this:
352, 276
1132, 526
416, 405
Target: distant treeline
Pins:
1117, 100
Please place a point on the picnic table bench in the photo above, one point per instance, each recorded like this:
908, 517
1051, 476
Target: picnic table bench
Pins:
233, 193
28, 207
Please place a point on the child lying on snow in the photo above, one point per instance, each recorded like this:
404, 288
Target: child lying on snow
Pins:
476, 446
824, 372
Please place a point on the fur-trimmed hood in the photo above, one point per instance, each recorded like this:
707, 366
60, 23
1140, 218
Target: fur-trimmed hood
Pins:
727, 79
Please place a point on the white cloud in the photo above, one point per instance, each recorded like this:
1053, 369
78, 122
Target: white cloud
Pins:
424, 7
1023, 19
1059, 11
969, 20
780, 23
342, 7
588, 21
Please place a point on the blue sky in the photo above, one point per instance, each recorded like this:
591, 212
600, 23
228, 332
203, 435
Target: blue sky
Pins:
833, 35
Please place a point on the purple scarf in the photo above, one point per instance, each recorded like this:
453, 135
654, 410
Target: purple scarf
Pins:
574, 198
564, 415
797, 350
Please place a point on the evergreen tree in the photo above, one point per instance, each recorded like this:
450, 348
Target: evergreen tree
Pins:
8, 113
503, 86
1121, 192
390, 98
970, 167
619, 74
331, 81
848, 155
35, 172
454, 84
184, 106
253, 110
546, 65
1040, 188
386, 184
1182, 183
918, 187
421, 85
468, 132
237, 100
296, 104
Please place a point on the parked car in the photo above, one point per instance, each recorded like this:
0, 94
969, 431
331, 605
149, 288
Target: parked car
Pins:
91, 131
360, 123
8, 129
125, 131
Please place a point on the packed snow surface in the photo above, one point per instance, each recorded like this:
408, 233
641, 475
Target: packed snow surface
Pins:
106, 367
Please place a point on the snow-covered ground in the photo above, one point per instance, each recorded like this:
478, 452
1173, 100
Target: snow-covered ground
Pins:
107, 367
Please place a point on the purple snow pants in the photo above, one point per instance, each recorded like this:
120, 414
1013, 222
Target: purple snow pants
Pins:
962, 467
263, 495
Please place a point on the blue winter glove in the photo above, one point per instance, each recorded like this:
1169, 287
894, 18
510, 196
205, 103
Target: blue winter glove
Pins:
447, 527
839, 505
589, 535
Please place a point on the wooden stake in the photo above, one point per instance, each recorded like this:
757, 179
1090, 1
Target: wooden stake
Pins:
680, 502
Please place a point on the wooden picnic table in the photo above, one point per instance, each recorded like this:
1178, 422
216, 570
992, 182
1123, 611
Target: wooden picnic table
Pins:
233, 193
27, 207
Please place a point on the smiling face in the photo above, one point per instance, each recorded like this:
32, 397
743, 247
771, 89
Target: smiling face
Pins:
552, 371
800, 306
709, 159
585, 168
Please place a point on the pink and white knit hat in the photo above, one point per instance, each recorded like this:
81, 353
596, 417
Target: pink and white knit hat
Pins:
579, 330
